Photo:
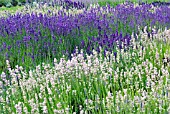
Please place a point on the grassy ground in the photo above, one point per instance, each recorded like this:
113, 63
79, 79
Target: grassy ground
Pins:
11, 9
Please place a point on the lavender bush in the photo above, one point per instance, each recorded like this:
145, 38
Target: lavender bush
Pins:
136, 81
30, 39
100, 59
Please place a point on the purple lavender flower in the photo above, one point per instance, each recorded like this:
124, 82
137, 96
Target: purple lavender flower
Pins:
26, 39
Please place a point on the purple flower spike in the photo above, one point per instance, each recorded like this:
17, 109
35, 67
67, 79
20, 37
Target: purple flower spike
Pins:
26, 39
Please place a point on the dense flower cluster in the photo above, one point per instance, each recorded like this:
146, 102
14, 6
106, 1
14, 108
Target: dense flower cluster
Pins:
40, 37
159, 3
68, 4
136, 81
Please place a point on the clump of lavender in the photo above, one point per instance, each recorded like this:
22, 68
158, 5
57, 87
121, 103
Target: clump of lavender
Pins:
159, 3
137, 80
40, 37
68, 4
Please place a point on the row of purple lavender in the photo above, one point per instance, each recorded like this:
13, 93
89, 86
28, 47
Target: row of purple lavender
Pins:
41, 37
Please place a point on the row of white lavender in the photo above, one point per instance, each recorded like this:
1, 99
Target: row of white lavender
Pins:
135, 81
44, 9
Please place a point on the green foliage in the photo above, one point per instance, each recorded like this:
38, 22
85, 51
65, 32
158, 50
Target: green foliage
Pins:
22, 1
8, 5
5, 2
19, 4
14, 2
1, 3
111, 3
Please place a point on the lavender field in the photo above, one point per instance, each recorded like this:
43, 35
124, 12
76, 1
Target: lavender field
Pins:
85, 57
